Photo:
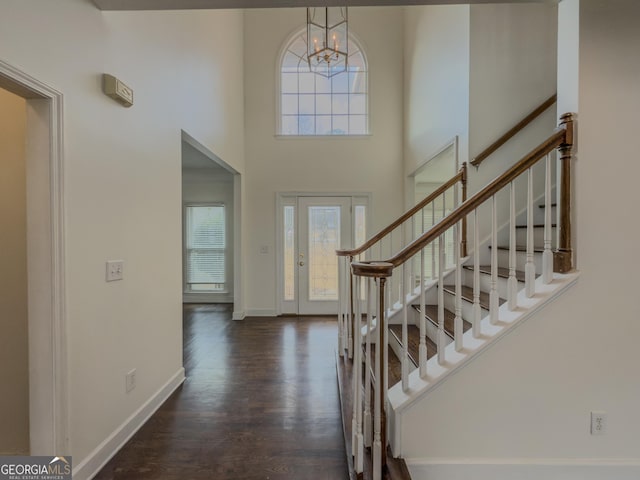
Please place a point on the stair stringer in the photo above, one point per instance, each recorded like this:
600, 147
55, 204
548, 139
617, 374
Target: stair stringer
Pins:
400, 402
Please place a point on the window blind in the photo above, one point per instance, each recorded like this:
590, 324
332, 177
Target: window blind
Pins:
206, 245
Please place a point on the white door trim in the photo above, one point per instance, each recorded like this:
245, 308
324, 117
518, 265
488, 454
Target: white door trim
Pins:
238, 297
48, 378
410, 182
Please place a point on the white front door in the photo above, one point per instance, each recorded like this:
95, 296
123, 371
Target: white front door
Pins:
312, 228
324, 227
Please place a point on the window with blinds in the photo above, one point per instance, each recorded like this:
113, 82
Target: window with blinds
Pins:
205, 248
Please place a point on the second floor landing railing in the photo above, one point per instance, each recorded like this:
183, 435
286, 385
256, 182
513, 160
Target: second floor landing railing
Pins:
513, 131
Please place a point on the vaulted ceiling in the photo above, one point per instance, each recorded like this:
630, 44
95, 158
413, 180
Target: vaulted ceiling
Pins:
192, 4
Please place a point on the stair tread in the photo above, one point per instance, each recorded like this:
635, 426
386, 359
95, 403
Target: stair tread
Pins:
502, 272
413, 334
393, 364
449, 319
467, 294
520, 248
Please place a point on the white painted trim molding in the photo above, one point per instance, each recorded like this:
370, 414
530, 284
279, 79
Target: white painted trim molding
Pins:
239, 315
527, 468
48, 377
97, 459
261, 312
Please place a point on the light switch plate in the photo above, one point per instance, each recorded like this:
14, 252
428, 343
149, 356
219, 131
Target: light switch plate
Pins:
115, 270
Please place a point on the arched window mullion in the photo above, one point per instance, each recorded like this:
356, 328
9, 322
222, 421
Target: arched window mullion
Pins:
310, 118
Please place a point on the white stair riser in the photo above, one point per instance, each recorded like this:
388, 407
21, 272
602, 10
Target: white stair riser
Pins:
521, 260
538, 236
432, 333
467, 307
485, 282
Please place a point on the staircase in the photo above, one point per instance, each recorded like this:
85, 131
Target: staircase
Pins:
432, 324
430, 310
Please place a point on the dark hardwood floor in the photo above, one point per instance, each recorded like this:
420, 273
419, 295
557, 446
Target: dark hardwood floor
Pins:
260, 402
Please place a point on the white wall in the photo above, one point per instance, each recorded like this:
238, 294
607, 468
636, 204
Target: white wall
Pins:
364, 164
512, 71
528, 399
122, 180
474, 71
436, 81
14, 361
513, 65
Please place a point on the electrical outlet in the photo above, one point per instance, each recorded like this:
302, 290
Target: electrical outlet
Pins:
130, 380
115, 270
598, 423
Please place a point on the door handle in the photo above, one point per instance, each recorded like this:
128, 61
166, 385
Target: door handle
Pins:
301, 263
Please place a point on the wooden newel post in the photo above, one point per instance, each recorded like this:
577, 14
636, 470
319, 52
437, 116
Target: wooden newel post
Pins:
380, 271
463, 181
383, 365
563, 256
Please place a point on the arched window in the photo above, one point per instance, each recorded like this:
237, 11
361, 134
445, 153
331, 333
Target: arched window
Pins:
311, 104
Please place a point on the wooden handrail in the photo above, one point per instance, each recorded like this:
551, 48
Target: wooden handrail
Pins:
461, 176
562, 137
514, 130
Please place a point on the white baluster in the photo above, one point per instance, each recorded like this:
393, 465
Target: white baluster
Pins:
341, 268
414, 232
512, 284
368, 427
444, 213
441, 334
385, 345
477, 310
547, 256
346, 322
530, 267
352, 300
457, 324
433, 250
494, 299
423, 321
358, 445
405, 334
391, 281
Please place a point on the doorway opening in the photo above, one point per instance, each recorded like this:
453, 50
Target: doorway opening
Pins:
432, 174
310, 228
45, 287
211, 228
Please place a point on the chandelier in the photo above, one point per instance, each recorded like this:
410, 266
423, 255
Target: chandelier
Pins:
327, 40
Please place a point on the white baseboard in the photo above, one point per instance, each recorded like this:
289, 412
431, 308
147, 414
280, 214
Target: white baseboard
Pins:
239, 315
524, 469
258, 312
97, 459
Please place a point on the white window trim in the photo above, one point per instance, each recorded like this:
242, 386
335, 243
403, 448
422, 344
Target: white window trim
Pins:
185, 285
278, 123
